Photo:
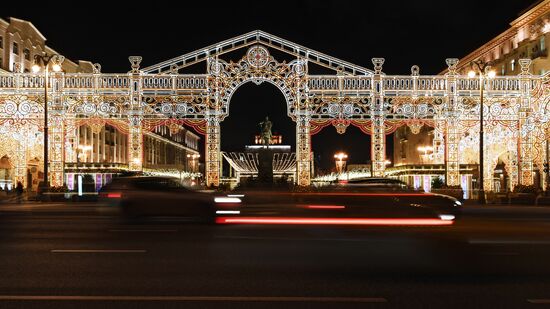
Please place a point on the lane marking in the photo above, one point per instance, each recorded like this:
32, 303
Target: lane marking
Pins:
98, 251
501, 253
302, 239
197, 298
539, 301
507, 242
138, 230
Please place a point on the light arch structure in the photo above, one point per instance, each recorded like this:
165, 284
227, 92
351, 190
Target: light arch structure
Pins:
143, 98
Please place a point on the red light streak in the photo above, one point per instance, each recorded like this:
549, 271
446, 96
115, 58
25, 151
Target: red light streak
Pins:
323, 206
335, 221
114, 195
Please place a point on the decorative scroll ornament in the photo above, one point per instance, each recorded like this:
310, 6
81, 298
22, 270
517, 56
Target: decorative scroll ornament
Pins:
415, 70
341, 125
525, 64
174, 128
451, 64
20, 107
298, 67
135, 62
96, 124
415, 125
378, 62
17, 67
173, 69
96, 68
257, 56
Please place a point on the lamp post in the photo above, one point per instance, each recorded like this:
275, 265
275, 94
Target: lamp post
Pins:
483, 69
340, 161
193, 157
425, 149
44, 61
82, 150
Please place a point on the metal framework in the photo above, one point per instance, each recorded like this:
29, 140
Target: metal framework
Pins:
515, 107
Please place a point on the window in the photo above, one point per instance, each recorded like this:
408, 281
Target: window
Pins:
542, 43
15, 48
513, 65
503, 70
1, 42
27, 54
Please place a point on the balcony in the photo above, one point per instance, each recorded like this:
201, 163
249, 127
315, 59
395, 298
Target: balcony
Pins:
539, 54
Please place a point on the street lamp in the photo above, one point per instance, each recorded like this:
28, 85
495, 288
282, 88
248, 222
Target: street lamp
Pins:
425, 150
82, 150
44, 61
193, 157
484, 72
340, 161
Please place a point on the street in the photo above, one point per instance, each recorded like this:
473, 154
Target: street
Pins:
83, 255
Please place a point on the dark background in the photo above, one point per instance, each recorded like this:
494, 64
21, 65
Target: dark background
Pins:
404, 32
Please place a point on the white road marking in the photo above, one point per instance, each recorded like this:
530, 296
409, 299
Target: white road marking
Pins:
194, 298
300, 239
98, 251
507, 242
539, 301
501, 253
138, 230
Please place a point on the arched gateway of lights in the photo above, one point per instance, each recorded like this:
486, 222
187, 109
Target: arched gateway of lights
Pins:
516, 118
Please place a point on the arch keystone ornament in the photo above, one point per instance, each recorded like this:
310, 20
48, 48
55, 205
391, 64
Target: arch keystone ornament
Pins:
515, 107
257, 56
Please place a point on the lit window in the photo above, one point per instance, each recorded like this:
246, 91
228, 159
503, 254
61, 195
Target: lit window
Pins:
15, 48
513, 65
503, 70
27, 54
542, 43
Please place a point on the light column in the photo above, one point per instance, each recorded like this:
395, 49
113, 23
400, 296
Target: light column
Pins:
452, 135
212, 150
525, 139
378, 143
135, 115
303, 150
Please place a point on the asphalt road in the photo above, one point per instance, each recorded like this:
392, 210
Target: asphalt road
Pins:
84, 256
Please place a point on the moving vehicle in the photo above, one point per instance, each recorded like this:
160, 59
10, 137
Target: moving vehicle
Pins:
372, 201
141, 197
401, 193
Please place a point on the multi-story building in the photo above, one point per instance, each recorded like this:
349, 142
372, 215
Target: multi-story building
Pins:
527, 37
101, 150
20, 41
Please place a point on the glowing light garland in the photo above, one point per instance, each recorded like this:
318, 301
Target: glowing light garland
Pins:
515, 107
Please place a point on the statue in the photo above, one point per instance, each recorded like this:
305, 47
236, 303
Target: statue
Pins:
266, 131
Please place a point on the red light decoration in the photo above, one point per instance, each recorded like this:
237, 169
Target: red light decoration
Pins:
335, 221
323, 206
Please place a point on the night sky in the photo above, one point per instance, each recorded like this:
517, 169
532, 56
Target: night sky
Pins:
404, 32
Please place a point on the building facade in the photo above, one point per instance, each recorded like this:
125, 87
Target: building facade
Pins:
414, 152
20, 41
100, 149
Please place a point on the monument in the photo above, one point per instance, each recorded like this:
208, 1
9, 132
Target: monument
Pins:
265, 154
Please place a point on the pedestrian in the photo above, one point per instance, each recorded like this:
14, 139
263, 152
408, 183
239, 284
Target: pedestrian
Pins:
19, 192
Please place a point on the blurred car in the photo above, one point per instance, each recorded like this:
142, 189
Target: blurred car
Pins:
140, 197
402, 193
373, 201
